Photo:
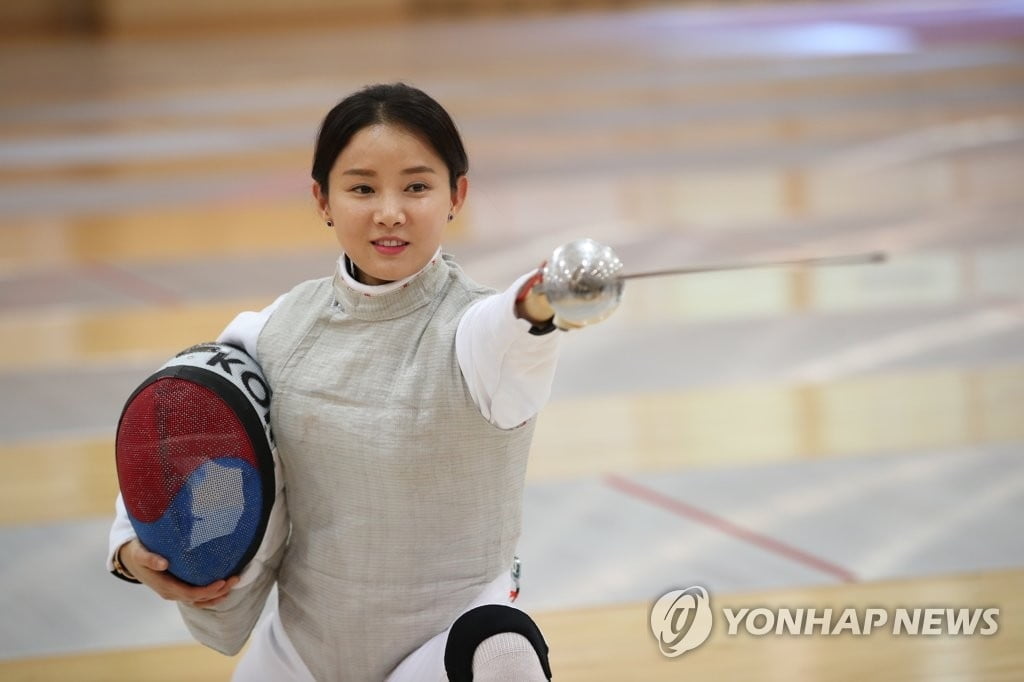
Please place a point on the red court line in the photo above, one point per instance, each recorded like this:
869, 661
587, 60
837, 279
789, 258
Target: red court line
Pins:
651, 496
129, 283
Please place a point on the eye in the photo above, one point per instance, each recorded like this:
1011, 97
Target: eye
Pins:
418, 187
361, 189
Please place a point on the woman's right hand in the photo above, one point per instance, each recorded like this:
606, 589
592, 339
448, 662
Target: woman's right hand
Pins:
151, 570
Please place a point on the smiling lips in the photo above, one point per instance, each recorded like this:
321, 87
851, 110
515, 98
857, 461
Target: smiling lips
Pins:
389, 247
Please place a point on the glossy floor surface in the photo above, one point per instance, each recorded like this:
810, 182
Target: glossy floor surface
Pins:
844, 438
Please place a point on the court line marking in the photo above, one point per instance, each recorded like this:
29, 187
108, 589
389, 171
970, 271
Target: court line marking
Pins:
688, 511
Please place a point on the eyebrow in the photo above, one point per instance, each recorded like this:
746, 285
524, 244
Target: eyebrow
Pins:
363, 172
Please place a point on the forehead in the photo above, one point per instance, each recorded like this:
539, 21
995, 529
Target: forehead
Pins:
383, 145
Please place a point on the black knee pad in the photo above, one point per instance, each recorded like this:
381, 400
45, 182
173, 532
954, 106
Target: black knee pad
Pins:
476, 625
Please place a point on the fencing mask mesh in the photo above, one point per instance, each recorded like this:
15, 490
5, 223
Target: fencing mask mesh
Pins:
195, 462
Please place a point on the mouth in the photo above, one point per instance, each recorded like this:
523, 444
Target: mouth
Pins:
389, 246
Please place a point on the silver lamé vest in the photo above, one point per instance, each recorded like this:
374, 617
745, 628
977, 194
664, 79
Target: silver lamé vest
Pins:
404, 501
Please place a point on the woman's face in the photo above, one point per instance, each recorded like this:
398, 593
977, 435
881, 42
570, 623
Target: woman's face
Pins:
389, 199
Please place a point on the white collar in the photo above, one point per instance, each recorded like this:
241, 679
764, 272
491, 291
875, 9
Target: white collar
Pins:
378, 289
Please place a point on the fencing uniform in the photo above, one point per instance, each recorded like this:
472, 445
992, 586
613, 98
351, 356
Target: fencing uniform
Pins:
403, 417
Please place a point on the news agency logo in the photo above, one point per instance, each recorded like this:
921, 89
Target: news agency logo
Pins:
681, 620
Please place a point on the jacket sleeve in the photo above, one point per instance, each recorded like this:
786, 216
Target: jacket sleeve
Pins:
508, 371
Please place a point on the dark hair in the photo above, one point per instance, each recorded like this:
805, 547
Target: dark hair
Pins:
395, 104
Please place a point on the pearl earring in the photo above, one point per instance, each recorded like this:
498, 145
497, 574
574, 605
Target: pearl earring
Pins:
330, 223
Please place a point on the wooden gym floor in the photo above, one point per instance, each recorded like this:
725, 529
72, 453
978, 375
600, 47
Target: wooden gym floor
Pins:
847, 438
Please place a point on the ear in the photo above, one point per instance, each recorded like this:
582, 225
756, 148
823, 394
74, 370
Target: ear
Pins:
459, 195
321, 199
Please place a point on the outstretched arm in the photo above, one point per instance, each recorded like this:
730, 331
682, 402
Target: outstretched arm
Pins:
508, 369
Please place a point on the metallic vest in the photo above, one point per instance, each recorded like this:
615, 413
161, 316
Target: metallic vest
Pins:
404, 501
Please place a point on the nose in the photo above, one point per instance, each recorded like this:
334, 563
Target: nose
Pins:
389, 213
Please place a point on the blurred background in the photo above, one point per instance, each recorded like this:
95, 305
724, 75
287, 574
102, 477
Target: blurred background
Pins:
835, 437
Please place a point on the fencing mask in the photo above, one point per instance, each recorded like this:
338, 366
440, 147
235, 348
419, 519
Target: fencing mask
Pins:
195, 462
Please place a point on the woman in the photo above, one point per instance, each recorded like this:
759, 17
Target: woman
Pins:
404, 405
